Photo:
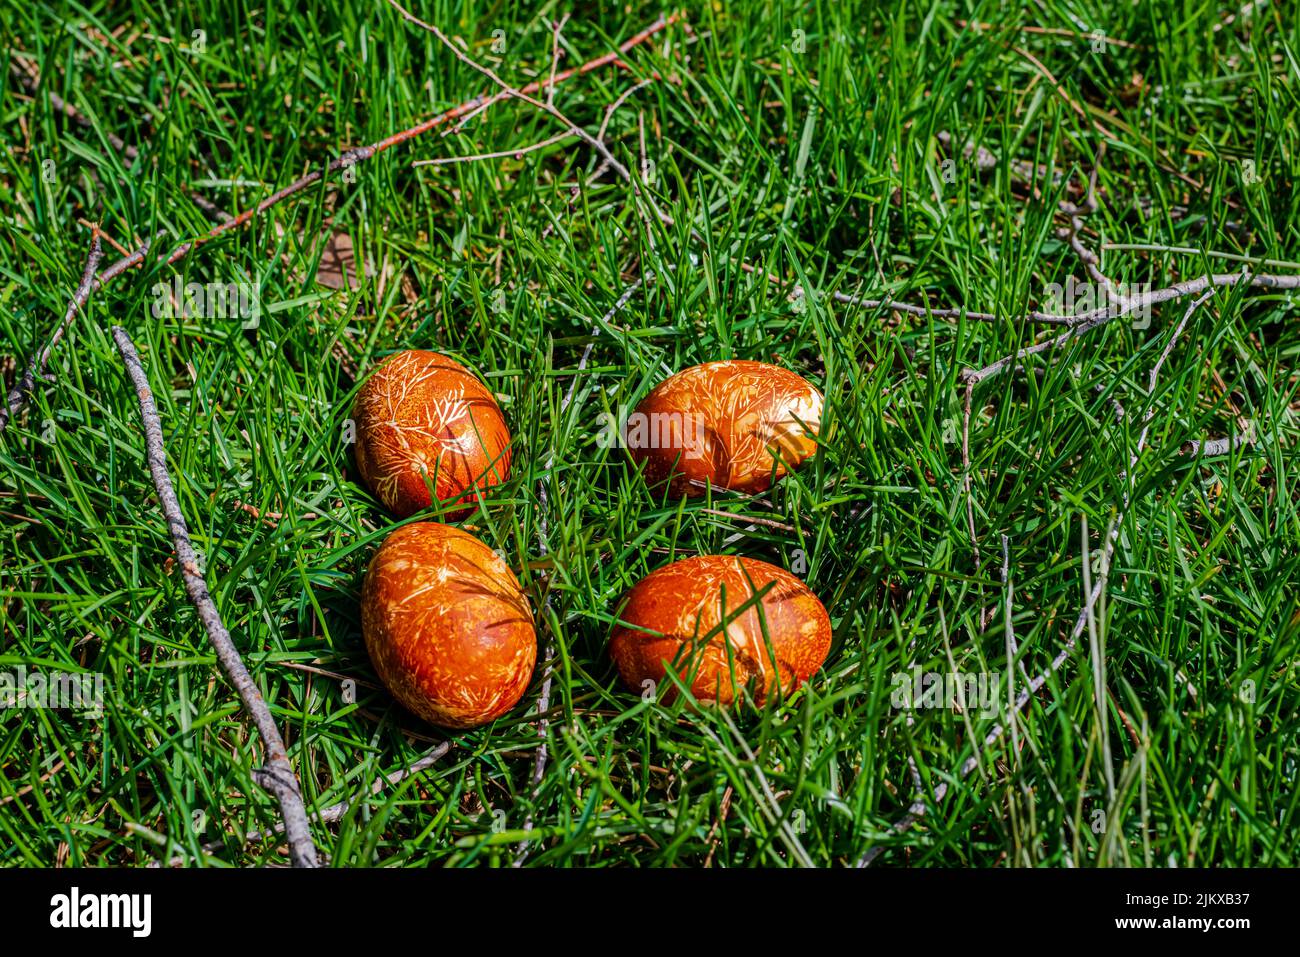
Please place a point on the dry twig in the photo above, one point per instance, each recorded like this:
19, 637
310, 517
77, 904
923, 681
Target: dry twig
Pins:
1087, 321
36, 367
277, 777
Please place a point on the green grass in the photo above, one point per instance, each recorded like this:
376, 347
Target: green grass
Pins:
800, 139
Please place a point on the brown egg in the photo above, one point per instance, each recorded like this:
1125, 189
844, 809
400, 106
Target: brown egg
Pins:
724, 424
671, 617
423, 418
447, 626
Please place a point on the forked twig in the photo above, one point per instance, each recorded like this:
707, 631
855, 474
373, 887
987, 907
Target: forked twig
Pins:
1087, 321
277, 777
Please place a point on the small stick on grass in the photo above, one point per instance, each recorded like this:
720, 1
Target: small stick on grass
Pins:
966, 477
277, 777
555, 55
1072, 233
1013, 651
36, 367
498, 154
1212, 447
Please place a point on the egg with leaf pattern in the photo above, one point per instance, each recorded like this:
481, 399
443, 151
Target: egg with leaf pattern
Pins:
733, 424
723, 624
427, 429
447, 626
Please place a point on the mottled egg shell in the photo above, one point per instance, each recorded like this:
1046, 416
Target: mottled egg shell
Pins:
447, 626
671, 618
724, 424
422, 414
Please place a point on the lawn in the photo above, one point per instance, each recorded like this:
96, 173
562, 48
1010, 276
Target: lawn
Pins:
1098, 540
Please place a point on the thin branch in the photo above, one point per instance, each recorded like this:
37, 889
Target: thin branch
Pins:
360, 154
1096, 655
1013, 650
1071, 234
208, 206
985, 160
753, 520
1208, 253
622, 98
1077, 324
711, 838
1087, 321
522, 93
499, 154
1111, 538
918, 809
1209, 448
1032, 316
966, 476
36, 367
555, 55
1080, 323
1095, 37
277, 777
